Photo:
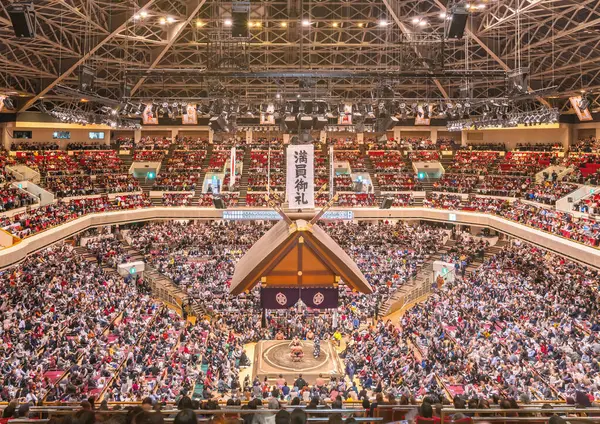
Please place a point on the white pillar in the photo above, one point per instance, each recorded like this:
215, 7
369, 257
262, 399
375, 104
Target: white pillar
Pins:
360, 137
463, 138
397, 133
174, 134
137, 135
211, 135
286, 139
5, 135
434, 135
323, 136
248, 136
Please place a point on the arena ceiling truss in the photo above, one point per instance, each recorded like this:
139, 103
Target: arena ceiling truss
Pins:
138, 45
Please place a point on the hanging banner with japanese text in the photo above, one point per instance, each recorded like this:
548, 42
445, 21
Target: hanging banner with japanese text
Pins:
150, 115
300, 181
232, 169
191, 116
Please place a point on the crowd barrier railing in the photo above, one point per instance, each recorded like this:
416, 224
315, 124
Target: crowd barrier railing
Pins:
382, 413
571, 249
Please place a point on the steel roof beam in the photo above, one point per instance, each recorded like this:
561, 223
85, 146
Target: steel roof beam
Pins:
115, 29
192, 9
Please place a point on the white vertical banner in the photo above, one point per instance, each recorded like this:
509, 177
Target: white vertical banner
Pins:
232, 170
300, 179
191, 115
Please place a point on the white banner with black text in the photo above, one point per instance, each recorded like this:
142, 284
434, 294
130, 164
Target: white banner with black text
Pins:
300, 181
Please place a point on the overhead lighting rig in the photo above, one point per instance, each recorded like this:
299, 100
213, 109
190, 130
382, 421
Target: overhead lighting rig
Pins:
77, 116
538, 116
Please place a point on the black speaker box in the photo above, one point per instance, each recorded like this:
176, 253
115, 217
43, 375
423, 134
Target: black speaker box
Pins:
240, 16
87, 78
387, 203
291, 123
306, 122
22, 16
320, 123
456, 23
217, 124
219, 203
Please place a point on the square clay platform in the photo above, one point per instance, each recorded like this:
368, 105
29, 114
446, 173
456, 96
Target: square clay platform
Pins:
272, 357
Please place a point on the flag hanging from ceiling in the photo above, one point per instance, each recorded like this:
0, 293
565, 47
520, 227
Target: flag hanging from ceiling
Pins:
150, 116
300, 180
191, 116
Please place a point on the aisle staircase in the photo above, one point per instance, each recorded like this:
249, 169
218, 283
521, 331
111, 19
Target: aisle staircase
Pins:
88, 256
199, 386
209, 151
151, 274
244, 179
390, 305
427, 184
371, 171
146, 185
127, 161
426, 269
446, 161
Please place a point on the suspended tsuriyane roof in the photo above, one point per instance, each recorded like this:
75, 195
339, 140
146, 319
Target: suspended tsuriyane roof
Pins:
297, 255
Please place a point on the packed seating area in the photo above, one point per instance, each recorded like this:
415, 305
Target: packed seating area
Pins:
442, 201
83, 146
14, 198
397, 182
402, 199
353, 157
185, 161
424, 156
117, 183
344, 143
256, 200
230, 199
74, 314
257, 181
549, 192
266, 166
181, 181
356, 200
149, 155
191, 143
474, 162
480, 337
525, 162
96, 172
343, 182
456, 183
150, 351
588, 204
37, 146
177, 199
586, 145
387, 160
221, 156
508, 186
262, 159
154, 143
45, 217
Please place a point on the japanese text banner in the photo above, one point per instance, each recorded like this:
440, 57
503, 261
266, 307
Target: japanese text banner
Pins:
300, 181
